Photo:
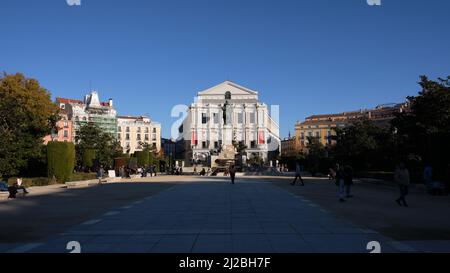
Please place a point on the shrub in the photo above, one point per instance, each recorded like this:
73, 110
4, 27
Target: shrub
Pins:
132, 163
142, 158
60, 160
83, 176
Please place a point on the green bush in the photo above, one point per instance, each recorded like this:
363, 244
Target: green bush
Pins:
132, 163
60, 160
88, 158
143, 158
83, 176
30, 182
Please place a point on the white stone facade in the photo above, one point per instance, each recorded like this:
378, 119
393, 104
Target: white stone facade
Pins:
248, 121
134, 131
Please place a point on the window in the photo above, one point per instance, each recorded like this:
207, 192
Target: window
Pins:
204, 146
310, 134
146, 137
138, 137
252, 118
204, 118
139, 129
240, 118
318, 134
216, 145
216, 118
127, 137
154, 137
119, 136
62, 106
146, 129
119, 129
253, 144
128, 129
154, 130
66, 134
302, 136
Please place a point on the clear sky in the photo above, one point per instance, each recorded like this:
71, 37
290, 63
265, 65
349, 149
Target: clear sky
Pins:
308, 56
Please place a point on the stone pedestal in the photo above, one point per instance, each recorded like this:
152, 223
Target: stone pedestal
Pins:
227, 135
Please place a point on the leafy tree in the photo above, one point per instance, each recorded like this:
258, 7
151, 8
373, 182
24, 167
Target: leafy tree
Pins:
364, 145
27, 114
91, 137
316, 155
88, 157
423, 131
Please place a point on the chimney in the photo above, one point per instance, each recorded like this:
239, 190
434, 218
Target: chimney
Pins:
110, 102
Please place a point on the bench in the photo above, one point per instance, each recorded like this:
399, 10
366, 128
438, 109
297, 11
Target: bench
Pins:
6, 194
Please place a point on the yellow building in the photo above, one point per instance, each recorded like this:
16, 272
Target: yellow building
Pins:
322, 126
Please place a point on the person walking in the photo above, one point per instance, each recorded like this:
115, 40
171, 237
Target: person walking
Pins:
348, 181
298, 175
402, 178
340, 182
100, 174
232, 172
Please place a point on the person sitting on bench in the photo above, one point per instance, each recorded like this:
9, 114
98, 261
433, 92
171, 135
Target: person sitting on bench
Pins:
20, 187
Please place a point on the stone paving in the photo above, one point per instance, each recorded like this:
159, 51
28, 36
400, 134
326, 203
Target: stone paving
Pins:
213, 216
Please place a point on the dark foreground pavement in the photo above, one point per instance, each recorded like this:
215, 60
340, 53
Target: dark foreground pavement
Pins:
38, 216
424, 225
211, 215
193, 214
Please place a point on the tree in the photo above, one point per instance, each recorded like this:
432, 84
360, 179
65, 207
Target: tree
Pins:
315, 156
88, 157
423, 131
363, 145
27, 114
91, 137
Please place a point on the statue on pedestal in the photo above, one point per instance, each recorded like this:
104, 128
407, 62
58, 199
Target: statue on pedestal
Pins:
226, 109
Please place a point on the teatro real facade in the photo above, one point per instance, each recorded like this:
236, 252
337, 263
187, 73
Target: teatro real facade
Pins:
225, 114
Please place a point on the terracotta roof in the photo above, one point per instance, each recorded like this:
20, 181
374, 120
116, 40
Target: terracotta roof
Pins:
64, 100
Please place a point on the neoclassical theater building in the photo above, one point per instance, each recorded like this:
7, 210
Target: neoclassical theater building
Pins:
224, 115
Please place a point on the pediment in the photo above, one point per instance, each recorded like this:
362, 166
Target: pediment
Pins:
227, 86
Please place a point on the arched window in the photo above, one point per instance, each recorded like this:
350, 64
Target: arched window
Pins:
228, 95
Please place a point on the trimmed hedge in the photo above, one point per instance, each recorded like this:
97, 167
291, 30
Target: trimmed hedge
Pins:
88, 158
143, 158
60, 160
132, 163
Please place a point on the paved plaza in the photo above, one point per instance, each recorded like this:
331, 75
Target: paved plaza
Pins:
209, 215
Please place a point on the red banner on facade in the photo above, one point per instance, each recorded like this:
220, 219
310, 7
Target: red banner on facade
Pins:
194, 138
261, 137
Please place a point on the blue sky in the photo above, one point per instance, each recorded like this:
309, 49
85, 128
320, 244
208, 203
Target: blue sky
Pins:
308, 56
